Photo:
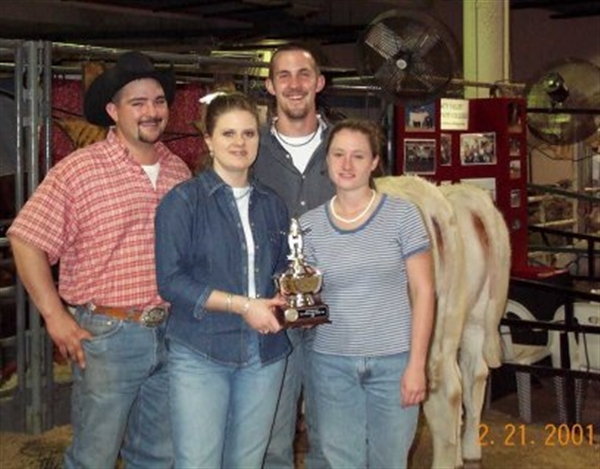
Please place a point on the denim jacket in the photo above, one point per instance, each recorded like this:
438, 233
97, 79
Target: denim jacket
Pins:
300, 191
200, 247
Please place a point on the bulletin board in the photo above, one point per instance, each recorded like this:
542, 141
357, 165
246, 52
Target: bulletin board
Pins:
480, 141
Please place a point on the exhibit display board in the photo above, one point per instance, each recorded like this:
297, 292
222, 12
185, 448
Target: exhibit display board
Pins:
478, 141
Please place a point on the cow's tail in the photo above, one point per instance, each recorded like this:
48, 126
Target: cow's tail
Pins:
450, 307
495, 241
499, 282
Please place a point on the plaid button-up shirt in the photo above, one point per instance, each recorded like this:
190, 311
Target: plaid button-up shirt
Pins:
94, 212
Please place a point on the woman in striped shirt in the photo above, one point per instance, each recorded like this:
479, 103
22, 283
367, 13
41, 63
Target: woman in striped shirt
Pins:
369, 363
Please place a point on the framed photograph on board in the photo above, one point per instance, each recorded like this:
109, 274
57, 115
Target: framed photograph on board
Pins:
479, 148
487, 184
515, 198
515, 169
516, 113
419, 156
445, 149
420, 118
514, 146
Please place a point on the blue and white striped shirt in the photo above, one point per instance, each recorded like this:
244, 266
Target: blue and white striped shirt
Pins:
364, 277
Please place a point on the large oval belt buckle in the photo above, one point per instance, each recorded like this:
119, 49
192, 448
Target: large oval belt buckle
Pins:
153, 317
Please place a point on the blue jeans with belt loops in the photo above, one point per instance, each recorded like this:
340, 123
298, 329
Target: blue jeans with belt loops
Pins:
119, 403
221, 414
280, 452
359, 414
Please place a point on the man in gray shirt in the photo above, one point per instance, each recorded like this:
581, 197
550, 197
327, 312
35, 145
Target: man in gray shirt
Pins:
291, 160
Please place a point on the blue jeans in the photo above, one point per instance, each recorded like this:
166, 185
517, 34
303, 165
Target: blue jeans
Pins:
120, 401
221, 414
280, 452
360, 418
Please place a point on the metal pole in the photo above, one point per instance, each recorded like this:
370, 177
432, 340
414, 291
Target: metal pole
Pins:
565, 363
32, 146
47, 365
47, 103
20, 395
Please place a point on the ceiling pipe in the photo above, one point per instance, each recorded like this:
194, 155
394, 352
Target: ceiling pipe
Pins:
191, 63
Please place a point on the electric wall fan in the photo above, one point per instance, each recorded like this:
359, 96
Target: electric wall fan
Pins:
563, 102
409, 55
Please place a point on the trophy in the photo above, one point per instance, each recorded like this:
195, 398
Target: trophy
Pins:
300, 284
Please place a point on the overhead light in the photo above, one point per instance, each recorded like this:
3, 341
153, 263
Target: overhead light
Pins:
555, 87
247, 57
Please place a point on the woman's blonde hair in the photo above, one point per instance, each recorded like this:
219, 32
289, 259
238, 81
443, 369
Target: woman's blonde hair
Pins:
220, 105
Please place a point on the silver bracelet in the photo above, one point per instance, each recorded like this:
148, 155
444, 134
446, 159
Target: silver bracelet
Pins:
246, 307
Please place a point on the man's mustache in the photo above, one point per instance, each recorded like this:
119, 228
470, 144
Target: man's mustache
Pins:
151, 121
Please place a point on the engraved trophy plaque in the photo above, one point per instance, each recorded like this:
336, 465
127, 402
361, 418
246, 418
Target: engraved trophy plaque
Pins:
300, 284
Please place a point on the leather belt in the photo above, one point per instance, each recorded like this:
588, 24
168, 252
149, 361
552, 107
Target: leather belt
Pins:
150, 318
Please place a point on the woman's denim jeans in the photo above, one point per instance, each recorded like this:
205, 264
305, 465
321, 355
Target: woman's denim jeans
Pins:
121, 397
280, 452
221, 414
359, 416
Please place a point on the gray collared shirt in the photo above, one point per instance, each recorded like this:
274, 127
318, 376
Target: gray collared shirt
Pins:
300, 191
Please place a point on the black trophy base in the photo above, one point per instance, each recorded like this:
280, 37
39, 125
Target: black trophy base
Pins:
305, 316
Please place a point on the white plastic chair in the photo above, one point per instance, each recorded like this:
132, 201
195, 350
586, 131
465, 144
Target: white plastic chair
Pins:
521, 354
584, 354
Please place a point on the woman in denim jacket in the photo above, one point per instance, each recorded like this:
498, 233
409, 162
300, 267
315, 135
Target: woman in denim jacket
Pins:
220, 239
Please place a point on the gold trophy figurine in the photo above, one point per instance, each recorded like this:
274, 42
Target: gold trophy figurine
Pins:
300, 284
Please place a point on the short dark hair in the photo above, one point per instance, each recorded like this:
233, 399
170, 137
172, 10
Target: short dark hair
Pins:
294, 46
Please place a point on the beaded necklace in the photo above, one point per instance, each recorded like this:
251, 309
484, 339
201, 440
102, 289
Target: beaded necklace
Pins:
357, 217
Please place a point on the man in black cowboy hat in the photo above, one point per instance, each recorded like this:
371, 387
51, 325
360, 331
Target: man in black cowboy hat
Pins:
94, 212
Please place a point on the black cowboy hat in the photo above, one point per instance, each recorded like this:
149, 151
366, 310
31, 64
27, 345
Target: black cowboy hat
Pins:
130, 66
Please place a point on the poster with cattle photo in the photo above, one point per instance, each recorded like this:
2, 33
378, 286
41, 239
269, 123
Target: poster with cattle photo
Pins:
445, 149
420, 118
419, 156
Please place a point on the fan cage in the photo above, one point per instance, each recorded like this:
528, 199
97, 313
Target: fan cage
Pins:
410, 55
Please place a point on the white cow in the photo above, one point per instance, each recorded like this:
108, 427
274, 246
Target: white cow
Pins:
471, 251
419, 119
